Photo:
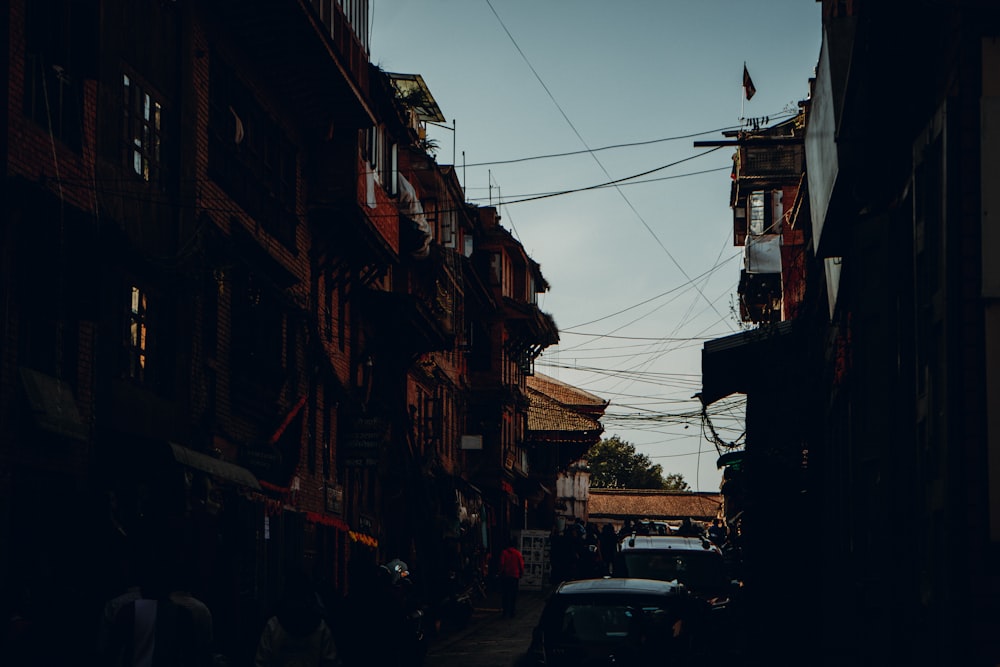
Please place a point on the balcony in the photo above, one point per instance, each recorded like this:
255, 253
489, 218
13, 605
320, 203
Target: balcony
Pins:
309, 51
528, 323
409, 322
781, 163
344, 225
760, 297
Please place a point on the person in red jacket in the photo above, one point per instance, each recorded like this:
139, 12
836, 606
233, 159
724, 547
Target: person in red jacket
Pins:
511, 570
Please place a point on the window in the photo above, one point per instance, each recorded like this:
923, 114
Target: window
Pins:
383, 158
250, 155
146, 344
756, 203
765, 211
143, 117
58, 46
496, 268
137, 342
448, 220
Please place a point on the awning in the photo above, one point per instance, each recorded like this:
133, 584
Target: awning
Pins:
52, 405
743, 361
731, 459
215, 467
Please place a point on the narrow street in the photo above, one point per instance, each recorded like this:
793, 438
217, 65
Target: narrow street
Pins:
489, 640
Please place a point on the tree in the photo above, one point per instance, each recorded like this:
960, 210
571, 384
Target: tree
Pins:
674, 481
615, 464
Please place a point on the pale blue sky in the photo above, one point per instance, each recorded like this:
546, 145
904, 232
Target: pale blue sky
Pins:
640, 274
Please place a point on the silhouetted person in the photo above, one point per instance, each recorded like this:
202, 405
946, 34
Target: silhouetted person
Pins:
297, 635
182, 594
717, 533
511, 571
688, 529
561, 555
152, 629
609, 545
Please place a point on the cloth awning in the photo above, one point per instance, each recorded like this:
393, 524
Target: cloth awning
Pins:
215, 467
52, 404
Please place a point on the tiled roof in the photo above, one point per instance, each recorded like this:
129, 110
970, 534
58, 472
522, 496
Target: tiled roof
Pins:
568, 395
548, 414
642, 503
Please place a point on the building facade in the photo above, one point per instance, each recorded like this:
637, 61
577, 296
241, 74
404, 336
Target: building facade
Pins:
870, 411
250, 324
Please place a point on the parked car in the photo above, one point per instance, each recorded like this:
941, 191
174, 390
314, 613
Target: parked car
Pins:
695, 563
607, 621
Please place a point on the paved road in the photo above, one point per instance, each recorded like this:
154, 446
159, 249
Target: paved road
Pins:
489, 640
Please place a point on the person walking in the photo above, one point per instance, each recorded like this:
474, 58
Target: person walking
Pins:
511, 571
183, 596
297, 634
150, 629
609, 546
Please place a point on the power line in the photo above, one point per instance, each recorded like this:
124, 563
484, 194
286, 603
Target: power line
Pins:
649, 338
594, 156
602, 148
530, 196
615, 183
682, 286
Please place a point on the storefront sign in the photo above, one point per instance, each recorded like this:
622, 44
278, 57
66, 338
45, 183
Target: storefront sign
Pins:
260, 458
361, 444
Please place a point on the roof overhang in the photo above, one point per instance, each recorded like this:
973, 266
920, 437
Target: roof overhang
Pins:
739, 363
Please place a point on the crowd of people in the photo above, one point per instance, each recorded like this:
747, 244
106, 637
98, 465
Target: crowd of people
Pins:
157, 619
581, 551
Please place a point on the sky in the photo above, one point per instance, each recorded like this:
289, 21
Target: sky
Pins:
549, 101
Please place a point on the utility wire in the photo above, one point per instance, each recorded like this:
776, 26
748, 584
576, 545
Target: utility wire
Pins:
602, 148
616, 183
525, 197
653, 298
594, 156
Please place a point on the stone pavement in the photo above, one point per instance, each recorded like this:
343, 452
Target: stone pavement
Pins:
489, 640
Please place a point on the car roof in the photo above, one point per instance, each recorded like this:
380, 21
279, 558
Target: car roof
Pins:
609, 585
665, 542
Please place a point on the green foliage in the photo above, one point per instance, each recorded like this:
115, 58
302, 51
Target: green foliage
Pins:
674, 481
615, 464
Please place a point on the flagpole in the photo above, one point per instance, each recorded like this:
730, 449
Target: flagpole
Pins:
743, 96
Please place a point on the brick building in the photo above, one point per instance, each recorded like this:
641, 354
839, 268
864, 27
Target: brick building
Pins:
249, 322
871, 432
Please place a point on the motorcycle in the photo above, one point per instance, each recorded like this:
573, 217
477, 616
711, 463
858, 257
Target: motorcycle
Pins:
454, 609
412, 643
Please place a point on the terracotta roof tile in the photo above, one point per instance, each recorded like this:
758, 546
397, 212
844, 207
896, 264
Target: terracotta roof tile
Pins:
648, 504
547, 414
566, 394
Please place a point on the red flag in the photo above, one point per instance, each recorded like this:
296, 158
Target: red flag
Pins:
748, 87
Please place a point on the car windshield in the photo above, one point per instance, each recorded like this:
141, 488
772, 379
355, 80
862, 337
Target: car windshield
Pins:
698, 570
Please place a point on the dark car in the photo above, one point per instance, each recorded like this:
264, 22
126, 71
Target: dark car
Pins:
608, 621
695, 562
700, 567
